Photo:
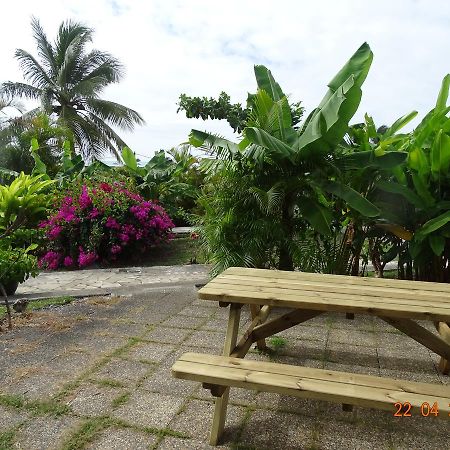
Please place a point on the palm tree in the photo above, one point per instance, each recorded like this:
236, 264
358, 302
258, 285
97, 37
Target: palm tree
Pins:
68, 81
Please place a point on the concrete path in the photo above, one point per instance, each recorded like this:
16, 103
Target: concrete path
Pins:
102, 281
95, 375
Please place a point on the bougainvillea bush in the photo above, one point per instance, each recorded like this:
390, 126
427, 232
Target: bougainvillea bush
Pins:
101, 222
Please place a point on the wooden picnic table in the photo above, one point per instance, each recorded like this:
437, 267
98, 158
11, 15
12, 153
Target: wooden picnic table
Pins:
398, 302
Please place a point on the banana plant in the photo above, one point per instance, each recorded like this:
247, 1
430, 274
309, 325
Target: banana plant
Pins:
292, 168
421, 190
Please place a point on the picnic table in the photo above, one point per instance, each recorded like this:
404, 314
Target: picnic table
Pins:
400, 303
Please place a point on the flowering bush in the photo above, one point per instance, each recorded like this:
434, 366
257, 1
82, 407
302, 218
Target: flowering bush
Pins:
101, 221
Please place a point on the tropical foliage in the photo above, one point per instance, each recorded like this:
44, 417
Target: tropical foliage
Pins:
266, 190
68, 80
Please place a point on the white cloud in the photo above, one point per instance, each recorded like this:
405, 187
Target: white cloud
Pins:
203, 47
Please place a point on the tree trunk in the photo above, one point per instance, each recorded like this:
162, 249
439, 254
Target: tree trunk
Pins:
286, 262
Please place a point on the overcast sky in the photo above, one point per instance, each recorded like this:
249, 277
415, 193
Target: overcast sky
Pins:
203, 47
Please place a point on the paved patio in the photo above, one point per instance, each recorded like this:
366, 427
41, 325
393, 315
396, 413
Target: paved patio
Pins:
95, 374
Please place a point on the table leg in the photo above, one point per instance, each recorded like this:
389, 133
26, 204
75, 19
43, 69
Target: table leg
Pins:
255, 309
220, 410
444, 332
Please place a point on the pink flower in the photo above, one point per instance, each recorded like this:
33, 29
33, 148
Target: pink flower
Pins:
50, 260
112, 223
84, 200
116, 249
94, 213
68, 261
105, 187
86, 259
55, 232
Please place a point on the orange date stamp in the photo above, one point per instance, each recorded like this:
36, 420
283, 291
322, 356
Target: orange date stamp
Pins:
426, 409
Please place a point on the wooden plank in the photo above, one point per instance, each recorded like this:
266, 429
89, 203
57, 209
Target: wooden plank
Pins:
283, 322
318, 374
444, 332
221, 405
323, 293
298, 385
255, 309
243, 346
421, 335
337, 286
308, 301
341, 279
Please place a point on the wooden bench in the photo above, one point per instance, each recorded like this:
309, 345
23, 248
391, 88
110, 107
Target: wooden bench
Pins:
306, 296
305, 382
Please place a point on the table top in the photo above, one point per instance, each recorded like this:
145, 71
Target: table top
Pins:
379, 296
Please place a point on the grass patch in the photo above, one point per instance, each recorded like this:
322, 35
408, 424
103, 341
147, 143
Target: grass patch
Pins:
15, 401
7, 440
36, 407
46, 302
89, 430
48, 407
277, 342
86, 433
121, 399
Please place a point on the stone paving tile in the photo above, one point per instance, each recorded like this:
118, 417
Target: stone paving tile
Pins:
36, 387
149, 409
150, 351
196, 418
272, 430
206, 339
167, 335
308, 333
184, 322
352, 355
123, 370
10, 417
196, 311
420, 433
123, 439
171, 443
45, 433
93, 400
336, 435
353, 337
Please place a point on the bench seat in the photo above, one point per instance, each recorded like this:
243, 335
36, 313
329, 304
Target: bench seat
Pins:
340, 387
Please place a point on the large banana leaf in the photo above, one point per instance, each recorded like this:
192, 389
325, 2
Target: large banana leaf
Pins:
267, 83
433, 225
357, 160
352, 198
317, 215
272, 144
208, 141
329, 124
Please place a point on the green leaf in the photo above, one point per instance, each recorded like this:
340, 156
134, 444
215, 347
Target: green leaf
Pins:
395, 188
129, 159
317, 215
267, 83
440, 154
354, 199
358, 160
34, 144
417, 160
441, 101
437, 244
327, 127
422, 189
399, 124
275, 146
433, 224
